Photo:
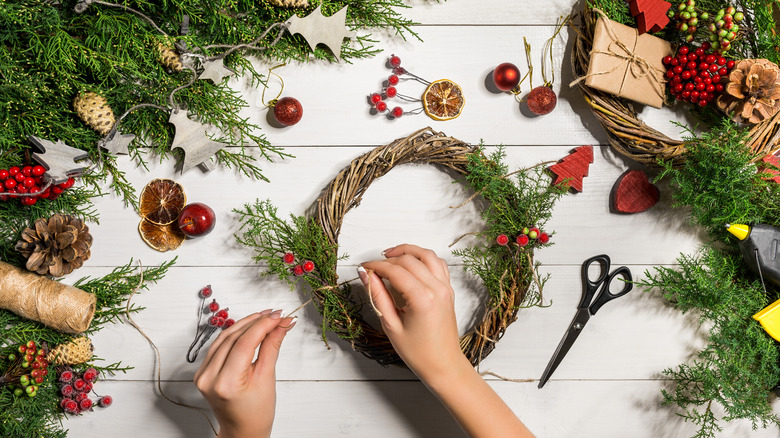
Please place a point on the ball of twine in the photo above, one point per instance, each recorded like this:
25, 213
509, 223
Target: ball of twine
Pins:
346, 190
627, 133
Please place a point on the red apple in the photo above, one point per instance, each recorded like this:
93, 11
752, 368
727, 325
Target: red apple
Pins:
196, 219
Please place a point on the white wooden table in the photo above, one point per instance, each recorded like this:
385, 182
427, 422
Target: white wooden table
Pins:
608, 385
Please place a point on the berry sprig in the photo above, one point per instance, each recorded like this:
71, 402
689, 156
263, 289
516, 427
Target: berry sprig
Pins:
389, 91
216, 318
723, 28
526, 236
697, 75
298, 269
75, 388
28, 183
27, 369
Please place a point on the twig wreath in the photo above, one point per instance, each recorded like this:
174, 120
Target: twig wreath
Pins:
306, 248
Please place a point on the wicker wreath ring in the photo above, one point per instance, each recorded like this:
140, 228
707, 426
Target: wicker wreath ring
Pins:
628, 134
345, 192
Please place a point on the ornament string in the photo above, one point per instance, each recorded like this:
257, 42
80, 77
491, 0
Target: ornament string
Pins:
530, 74
158, 356
548, 47
273, 101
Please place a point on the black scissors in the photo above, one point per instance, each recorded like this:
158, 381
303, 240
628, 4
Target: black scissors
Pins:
586, 309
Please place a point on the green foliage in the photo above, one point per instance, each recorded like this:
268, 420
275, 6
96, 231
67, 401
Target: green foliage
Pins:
524, 199
739, 365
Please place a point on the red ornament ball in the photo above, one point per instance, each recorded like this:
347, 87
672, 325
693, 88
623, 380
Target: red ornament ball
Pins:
506, 76
289, 258
522, 240
288, 111
308, 266
541, 100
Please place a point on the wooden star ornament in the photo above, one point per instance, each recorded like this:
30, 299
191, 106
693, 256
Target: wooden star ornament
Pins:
317, 28
215, 71
192, 138
58, 159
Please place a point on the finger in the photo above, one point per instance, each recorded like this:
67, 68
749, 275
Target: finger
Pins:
380, 296
417, 268
408, 285
427, 256
265, 365
237, 329
242, 352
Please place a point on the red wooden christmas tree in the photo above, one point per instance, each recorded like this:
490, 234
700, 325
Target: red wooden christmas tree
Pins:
650, 14
573, 168
773, 163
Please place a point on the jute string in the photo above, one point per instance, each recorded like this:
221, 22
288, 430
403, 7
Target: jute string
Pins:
60, 306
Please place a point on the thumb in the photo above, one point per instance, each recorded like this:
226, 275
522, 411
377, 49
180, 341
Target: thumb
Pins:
380, 297
269, 349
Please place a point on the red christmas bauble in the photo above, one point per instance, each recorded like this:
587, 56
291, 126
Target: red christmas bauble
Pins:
288, 111
541, 100
506, 76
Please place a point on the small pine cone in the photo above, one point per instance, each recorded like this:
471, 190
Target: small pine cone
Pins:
752, 94
55, 246
77, 351
169, 58
290, 3
93, 109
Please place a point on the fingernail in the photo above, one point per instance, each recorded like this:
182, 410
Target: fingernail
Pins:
363, 274
276, 314
292, 324
264, 312
384, 253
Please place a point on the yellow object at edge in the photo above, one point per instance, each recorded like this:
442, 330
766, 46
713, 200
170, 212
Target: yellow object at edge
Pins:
769, 318
739, 230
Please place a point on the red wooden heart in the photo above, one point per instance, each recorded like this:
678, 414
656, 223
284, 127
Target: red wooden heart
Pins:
634, 193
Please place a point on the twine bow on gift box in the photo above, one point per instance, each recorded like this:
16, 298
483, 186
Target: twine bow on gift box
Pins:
635, 63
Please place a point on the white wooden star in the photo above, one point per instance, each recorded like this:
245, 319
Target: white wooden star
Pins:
215, 70
59, 159
317, 28
191, 136
118, 143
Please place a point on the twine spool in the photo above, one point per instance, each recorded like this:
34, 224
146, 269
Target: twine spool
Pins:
59, 306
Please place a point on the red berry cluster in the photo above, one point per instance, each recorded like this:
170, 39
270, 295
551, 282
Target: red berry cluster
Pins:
219, 317
300, 268
27, 369
389, 91
216, 319
29, 179
525, 237
696, 75
75, 388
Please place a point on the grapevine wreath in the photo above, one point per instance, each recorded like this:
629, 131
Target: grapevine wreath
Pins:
306, 248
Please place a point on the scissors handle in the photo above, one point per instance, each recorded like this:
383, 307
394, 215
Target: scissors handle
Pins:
606, 296
592, 286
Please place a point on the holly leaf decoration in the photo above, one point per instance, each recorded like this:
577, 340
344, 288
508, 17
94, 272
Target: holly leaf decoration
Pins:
192, 138
319, 29
58, 158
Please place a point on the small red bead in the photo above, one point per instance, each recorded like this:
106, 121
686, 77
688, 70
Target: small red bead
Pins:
710, 88
689, 86
289, 258
710, 59
395, 61
694, 95
502, 239
392, 80
692, 57
10, 183
677, 70
381, 107
729, 65
29, 182
298, 270
678, 88
308, 266
669, 74
391, 92
667, 60
19, 177
27, 170
14, 170
397, 112
375, 98
675, 62
706, 46
719, 87
522, 240
683, 50
702, 103
28, 200
699, 51
4, 174
691, 65
38, 170
700, 86
723, 71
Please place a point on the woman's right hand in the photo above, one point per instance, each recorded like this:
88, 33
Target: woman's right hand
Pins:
424, 331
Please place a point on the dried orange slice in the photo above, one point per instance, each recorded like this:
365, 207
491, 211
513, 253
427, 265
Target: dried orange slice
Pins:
161, 201
443, 100
161, 237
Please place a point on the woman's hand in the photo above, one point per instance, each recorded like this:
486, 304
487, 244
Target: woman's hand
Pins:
424, 331
240, 389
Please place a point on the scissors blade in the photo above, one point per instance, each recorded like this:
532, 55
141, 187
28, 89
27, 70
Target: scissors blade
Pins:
575, 328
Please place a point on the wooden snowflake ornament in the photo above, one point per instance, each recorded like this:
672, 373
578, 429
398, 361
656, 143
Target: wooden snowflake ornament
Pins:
317, 28
573, 168
59, 159
650, 14
192, 137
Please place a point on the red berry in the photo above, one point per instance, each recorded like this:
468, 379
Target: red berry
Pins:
38, 170
68, 184
694, 95
691, 65
381, 107
399, 71
685, 94
716, 79
308, 266
35, 373
79, 384
719, 88
699, 51
729, 65
223, 313
70, 406
56, 191
105, 401
391, 92
375, 98
710, 88
686, 75
397, 112
10, 183
66, 390
3, 174
701, 86
675, 62
213, 306
206, 291
28, 200
26, 171
395, 61
683, 50
288, 258
710, 59
670, 74
19, 177
90, 375
213, 321
298, 270
79, 396
66, 376
706, 45
28, 182
677, 70
678, 88
704, 95
229, 322
85, 404
502, 239
393, 79
522, 240
692, 57
544, 238
14, 170
38, 380
667, 60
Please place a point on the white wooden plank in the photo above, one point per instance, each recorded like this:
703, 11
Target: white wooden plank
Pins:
505, 12
402, 410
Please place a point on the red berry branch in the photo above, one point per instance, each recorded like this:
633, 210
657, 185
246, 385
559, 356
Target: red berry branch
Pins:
218, 319
27, 369
29, 184
697, 75
75, 388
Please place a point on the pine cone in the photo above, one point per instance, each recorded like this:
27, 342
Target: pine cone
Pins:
753, 91
93, 109
290, 3
55, 246
77, 351
169, 58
